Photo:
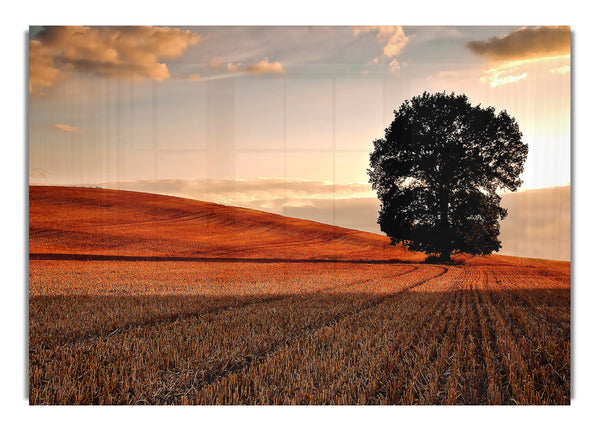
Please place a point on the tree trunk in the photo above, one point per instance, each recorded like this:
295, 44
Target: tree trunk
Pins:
445, 256
444, 226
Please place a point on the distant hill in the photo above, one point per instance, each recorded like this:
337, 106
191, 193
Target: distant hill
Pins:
538, 223
72, 220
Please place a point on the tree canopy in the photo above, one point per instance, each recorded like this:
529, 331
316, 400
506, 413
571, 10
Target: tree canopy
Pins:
438, 170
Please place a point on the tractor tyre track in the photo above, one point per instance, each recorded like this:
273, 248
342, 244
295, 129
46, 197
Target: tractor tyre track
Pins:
94, 336
261, 357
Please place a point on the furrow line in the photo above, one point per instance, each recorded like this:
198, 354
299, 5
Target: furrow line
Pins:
94, 336
528, 328
262, 356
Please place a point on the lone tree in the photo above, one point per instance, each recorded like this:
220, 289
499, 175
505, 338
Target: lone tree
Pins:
437, 173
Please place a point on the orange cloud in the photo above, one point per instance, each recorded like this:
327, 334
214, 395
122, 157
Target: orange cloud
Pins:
514, 71
392, 36
42, 70
525, 43
66, 128
265, 67
234, 67
109, 52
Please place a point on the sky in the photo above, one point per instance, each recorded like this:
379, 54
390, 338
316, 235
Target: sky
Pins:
282, 119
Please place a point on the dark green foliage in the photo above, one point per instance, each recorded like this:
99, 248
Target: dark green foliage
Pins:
438, 170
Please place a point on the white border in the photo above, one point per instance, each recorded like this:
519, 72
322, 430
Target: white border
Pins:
579, 14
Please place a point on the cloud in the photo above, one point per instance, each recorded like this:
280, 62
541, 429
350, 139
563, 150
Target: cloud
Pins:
265, 67
392, 37
525, 43
515, 71
262, 67
271, 194
561, 70
496, 78
66, 128
394, 66
42, 70
509, 57
109, 52
234, 67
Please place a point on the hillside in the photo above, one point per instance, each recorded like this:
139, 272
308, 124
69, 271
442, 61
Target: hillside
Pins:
70, 220
67, 221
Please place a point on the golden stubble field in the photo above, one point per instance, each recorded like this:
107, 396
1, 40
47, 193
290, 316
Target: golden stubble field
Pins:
144, 299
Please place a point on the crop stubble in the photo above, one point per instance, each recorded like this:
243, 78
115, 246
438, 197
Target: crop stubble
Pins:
296, 333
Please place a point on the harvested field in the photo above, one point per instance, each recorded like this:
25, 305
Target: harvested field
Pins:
145, 299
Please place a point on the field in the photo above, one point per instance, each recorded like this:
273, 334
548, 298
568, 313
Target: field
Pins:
144, 299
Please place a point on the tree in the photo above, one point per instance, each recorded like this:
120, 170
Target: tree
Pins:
437, 173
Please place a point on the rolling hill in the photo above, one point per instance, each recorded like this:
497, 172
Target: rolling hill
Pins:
70, 220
